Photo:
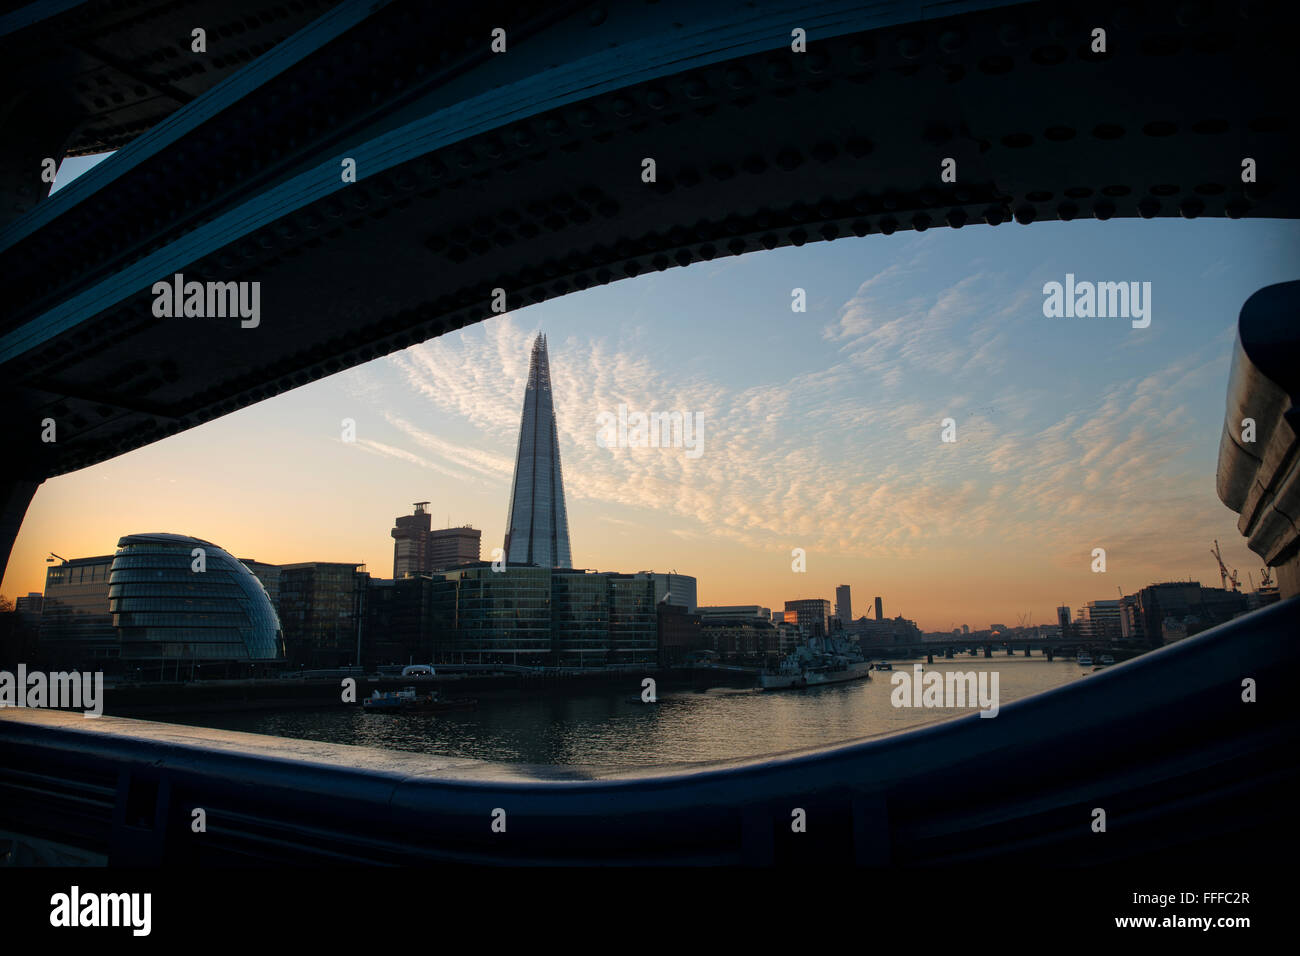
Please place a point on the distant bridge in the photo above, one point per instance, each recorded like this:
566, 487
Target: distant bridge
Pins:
1026, 646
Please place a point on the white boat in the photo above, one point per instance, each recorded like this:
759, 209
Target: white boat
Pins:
1107, 659
1084, 659
391, 700
408, 701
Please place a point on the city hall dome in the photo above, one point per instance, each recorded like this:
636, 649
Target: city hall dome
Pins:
167, 603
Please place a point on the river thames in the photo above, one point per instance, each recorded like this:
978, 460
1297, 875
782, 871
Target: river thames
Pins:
613, 729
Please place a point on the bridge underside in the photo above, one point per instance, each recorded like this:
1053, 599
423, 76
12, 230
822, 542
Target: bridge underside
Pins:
89, 77
510, 172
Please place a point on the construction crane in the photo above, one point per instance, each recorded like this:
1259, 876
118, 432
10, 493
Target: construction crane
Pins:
1224, 575
1265, 578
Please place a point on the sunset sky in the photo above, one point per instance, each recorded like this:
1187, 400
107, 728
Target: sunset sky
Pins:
821, 430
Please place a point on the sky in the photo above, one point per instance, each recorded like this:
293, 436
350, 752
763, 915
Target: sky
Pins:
821, 430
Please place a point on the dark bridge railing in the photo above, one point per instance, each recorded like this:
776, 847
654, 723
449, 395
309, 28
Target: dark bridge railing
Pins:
1183, 767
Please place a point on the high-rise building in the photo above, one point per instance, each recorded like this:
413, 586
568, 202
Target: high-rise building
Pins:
419, 550
880, 610
411, 542
1100, 620
537, 528
843, 604
811, 614
322, 610
449, 547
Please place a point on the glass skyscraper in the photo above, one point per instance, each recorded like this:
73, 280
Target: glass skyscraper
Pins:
537, 529
528, 615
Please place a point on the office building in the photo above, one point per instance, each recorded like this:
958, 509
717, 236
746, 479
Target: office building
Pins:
1191, 607
537, 526
1099, 621
720, 612
843, 604
679, 633
419, 550
788, 637
675, 588
897, 630
411, 542
29, 605
450, 547
322, 612
269, 576
408, 621
880, 609
532, 616
76, 629
742, 639
813, 614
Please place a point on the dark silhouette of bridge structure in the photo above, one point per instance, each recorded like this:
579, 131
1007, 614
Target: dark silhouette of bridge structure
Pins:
524, 172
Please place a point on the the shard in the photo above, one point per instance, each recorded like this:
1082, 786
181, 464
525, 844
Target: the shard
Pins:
537, 529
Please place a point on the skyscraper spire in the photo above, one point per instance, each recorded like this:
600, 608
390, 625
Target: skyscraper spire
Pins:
537, 529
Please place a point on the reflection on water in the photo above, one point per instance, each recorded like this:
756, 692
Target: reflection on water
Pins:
613, 729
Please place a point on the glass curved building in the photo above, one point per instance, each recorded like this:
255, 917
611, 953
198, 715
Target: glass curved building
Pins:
166, 610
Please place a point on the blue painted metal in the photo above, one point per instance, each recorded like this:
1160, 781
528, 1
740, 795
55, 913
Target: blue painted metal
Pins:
759, 148
725, 35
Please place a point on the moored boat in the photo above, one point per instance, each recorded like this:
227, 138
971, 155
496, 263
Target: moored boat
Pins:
820, 661
408, 701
